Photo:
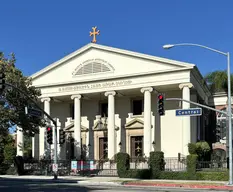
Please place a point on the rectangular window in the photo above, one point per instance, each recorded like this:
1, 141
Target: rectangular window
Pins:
137, 106
104, 109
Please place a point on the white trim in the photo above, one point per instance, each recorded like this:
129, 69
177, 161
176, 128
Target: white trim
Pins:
115, 77
110, 49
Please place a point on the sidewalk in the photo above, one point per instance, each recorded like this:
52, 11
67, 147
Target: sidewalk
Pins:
114, 181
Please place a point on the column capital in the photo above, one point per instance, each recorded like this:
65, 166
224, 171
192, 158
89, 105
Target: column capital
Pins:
189, 85
76, 96
110, 93
46, 99
150, 89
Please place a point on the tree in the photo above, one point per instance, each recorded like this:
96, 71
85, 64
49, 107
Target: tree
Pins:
12, 108
218, 81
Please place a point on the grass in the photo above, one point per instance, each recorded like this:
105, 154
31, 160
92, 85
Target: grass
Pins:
169, 182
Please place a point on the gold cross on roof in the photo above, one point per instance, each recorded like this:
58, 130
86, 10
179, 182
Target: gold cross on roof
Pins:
94, 33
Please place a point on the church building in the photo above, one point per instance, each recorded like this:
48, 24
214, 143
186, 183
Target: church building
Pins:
105, 100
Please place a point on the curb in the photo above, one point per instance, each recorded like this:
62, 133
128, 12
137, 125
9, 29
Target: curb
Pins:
170, 185
97, 183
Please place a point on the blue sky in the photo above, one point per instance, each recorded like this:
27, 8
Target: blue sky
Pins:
41, 32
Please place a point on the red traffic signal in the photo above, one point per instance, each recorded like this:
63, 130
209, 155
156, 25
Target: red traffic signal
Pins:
49, 135
160, 104
160, 96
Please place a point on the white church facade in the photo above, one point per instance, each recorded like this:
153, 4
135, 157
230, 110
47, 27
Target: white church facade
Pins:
105, 99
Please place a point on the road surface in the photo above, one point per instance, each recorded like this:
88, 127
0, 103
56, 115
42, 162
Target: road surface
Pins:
20, 185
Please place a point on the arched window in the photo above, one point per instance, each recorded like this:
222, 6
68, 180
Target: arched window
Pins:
93, 68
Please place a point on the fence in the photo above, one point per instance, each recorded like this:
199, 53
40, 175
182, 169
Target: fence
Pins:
109, 168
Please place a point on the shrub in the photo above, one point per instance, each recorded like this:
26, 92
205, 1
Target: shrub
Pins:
191, 166
173, 175
203, 150
156, 163
210, 176
123, 165
213, 176
192, 148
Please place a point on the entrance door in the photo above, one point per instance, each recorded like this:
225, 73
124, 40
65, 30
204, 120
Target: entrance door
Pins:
103, 148
136, 146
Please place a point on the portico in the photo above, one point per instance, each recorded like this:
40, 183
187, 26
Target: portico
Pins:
106, 101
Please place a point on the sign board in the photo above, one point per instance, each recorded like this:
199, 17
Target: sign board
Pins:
189, 112
55, 167
74, 165
33, 112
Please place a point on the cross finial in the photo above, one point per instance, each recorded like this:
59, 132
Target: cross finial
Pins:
94, 33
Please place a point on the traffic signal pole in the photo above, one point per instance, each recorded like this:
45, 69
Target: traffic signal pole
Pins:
197, 104
49, 117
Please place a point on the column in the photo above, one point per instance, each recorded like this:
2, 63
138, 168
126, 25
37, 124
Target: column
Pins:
186, 122
35, 146
111, 124
147, 120
44, 147
77, 125
20, 142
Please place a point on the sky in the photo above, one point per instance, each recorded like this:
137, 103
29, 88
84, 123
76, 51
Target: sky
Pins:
43, 31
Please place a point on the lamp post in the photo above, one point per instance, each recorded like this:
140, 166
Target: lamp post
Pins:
229, 113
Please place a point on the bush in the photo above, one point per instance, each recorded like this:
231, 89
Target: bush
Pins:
203, 150
213, 176
123, 165
173, 175
210, 176
192, 148
191, 166
156, 163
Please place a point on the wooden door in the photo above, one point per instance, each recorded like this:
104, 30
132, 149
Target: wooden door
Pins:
136, 146
103, 148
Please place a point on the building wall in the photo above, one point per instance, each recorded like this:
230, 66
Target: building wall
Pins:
168, 129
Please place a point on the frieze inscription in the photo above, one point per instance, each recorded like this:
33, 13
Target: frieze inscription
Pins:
95, 85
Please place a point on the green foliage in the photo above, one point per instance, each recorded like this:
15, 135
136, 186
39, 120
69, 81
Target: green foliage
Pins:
213, 176
173, 175
192, 148
203, 150
123, 164
156, 163
9, 149
210, 176
7, 153
217, 81
191, 166
12, 110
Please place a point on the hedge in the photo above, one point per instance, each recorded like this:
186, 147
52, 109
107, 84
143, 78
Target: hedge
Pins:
156, 169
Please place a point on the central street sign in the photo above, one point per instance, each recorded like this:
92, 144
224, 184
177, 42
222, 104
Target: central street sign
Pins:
189, 112
33, 112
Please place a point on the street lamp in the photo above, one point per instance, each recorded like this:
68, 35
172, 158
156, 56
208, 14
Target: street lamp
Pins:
169, 46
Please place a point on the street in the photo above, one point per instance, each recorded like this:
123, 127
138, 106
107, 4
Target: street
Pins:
20, 185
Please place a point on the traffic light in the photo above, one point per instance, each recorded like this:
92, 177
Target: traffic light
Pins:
49, 130
61, 136
2, 81
161, 110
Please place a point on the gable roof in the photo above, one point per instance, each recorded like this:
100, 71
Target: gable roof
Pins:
110, 49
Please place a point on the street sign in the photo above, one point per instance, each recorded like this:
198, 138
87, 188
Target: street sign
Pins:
55, 167
189, 112
33, 112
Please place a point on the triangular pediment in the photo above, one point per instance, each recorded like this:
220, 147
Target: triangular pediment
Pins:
97, 62
99, 126
70, 128
134, 124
